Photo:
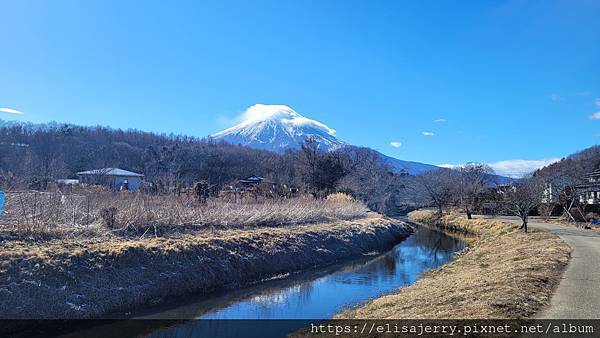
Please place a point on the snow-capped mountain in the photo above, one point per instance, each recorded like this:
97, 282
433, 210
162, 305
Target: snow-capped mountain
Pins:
277, 128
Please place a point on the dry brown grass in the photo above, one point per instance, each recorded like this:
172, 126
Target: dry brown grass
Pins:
506, 274
90, 277
56, 212
339, 196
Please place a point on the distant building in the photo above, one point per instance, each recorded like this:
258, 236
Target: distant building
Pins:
255, 187
114, 178
589, 192
67, 181
250, 182
548, 194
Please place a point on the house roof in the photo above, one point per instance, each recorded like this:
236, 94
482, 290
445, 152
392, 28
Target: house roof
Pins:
253, 180
110, 172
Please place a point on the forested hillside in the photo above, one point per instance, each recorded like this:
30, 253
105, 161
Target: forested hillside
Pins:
34, 156
575, 165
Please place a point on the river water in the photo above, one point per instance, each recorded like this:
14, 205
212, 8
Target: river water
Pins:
318, 294
323, 293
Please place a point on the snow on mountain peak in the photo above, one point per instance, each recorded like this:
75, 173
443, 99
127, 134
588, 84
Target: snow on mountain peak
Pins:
278, 113
278, 127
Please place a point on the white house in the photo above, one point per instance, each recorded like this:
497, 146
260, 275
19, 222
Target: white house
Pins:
115, 178
589, 192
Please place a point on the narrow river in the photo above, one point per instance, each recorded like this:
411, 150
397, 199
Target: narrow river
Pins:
319, 294
323, 293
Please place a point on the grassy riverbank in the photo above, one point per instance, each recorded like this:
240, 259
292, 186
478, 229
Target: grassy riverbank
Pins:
90, 276
504, 274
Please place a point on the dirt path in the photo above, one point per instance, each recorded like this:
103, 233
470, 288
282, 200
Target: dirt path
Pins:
578, 294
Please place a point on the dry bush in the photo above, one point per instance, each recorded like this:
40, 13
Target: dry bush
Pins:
138, 212
591, 216
340, 196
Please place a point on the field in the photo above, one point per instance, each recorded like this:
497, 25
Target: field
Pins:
100, 212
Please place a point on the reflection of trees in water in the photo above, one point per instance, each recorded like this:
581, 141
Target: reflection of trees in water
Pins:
437, 241
382, 267
424, 250
389, 264
267, 299
282, 295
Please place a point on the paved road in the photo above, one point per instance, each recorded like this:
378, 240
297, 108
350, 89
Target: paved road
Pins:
578, 294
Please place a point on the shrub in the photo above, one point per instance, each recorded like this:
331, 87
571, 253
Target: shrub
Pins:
201, 191
109, 216
591, 216
39, 183
340, 196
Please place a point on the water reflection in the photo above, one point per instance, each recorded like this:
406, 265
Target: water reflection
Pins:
323, 293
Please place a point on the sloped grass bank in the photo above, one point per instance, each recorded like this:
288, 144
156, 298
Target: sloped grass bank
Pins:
91, 277
505, 274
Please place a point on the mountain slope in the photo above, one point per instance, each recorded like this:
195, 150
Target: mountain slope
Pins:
413, 168
279, 127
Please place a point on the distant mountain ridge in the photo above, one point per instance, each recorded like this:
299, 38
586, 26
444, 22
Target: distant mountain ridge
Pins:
279, 127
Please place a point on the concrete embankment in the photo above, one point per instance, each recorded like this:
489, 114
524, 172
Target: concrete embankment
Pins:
91, 277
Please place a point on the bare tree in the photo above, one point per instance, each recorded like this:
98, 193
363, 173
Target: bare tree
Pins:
473, 180
522, 198
561, 188
371, 180
437, 185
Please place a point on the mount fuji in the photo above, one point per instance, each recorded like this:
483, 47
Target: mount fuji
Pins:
279, 127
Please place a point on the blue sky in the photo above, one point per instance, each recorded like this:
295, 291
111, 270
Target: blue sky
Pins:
509, 79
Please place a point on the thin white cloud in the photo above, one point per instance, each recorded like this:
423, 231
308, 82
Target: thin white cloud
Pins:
440, 120
513, 168
520, 168
595, 116
226, 121
597, 102
396, 144
555, 97
427, 133
11, 111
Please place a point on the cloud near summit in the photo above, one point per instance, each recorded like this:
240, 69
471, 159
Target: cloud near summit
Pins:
514, 168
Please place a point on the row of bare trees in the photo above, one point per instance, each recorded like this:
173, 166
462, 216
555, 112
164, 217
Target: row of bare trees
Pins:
464, 187
471, 186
